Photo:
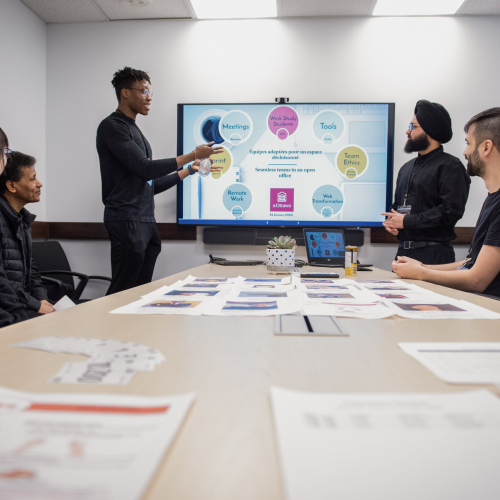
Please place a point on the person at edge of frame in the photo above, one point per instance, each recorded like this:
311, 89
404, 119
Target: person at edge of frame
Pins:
480, 271
18, 187
11, 310
431, 190
131, 178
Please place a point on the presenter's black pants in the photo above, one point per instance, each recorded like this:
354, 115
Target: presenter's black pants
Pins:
134, 248
431, 255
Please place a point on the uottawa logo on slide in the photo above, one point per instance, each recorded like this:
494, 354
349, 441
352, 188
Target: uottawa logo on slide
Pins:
281, 200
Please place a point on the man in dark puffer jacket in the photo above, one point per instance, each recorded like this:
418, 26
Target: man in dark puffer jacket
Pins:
11, 310
19, 186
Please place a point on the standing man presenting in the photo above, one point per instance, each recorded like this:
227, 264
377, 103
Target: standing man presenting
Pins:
431, 190
131, 178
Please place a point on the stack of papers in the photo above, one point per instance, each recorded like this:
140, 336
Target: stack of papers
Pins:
111, 362
388, 446
458, 362
367, 299
85, 446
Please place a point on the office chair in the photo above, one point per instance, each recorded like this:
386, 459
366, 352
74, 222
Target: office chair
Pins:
56, 273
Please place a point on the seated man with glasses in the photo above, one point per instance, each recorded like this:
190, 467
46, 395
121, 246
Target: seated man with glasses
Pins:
18, 187
131, 178
431, 190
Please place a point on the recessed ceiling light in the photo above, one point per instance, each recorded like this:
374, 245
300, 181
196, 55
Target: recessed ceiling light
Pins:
234, 9
417, 7
142, 3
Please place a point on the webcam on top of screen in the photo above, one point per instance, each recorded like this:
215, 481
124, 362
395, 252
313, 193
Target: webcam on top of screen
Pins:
282, 100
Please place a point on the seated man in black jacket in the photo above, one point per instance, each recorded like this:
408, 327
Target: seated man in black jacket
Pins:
18, 187
11, 310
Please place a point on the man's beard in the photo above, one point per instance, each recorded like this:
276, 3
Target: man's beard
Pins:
420, 143
475, 166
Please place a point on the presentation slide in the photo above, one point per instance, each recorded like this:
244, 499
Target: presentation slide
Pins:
293, 164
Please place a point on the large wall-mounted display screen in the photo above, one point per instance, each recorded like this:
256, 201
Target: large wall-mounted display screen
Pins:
289, 164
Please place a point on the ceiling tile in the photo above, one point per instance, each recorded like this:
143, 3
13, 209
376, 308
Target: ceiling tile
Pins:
480, 7
65, 11
317, 8
157, 9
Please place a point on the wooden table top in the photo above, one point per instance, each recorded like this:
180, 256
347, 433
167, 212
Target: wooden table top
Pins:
226, 448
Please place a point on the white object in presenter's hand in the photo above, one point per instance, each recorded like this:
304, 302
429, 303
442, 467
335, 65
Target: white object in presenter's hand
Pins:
204, 168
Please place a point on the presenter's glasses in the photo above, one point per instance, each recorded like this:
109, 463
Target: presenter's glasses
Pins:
144, 92
411, 126
7, 152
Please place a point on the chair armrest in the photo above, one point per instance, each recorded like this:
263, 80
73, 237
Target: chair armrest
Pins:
84, 279
69, 273
60, 286
105, 278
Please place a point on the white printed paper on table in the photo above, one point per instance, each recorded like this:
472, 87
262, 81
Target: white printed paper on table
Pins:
329, 285
254, 306
183, 293
83, 446
219, 281
458, 362
163, 305
414, 446
368, 309
439, 307
396, 287
256, 286
111, 361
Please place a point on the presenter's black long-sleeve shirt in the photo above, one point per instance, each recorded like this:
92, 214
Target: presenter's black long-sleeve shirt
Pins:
438, 187
130, 177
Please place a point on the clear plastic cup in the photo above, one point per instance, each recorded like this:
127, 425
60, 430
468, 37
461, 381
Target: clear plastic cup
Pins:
204, 168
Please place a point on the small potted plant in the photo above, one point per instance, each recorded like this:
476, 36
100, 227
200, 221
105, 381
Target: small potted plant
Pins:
281, 255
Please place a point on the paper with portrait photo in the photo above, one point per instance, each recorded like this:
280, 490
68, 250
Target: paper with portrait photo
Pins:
246, 306
162, 305
307, 284
439, 307
211, 280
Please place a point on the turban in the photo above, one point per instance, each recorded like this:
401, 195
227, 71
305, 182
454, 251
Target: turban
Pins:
434, 120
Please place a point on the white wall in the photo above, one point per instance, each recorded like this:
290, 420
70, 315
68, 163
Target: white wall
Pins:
449, 60
23, 41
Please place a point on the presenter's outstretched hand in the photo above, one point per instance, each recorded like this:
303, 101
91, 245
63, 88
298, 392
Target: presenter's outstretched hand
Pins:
206, 150
46, 307
394, 220
405, 267
196, 165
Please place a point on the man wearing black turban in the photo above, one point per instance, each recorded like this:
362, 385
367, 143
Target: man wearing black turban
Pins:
431, 190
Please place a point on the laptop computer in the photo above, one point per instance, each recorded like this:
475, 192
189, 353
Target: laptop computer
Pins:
325, 247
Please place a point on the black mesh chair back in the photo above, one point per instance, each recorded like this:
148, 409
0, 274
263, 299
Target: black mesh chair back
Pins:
57, 276
49, 255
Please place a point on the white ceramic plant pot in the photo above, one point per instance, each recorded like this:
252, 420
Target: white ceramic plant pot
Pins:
280, 261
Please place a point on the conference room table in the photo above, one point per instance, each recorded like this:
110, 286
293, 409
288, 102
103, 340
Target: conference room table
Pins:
226, 448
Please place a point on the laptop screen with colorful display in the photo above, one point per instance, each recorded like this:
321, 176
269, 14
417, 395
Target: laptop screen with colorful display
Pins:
325, 246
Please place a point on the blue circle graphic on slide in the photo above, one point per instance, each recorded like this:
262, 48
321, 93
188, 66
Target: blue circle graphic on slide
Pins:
236, 127
328, 126
328, 200
237, 198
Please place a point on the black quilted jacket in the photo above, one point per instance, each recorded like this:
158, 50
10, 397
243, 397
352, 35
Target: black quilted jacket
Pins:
16, 263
